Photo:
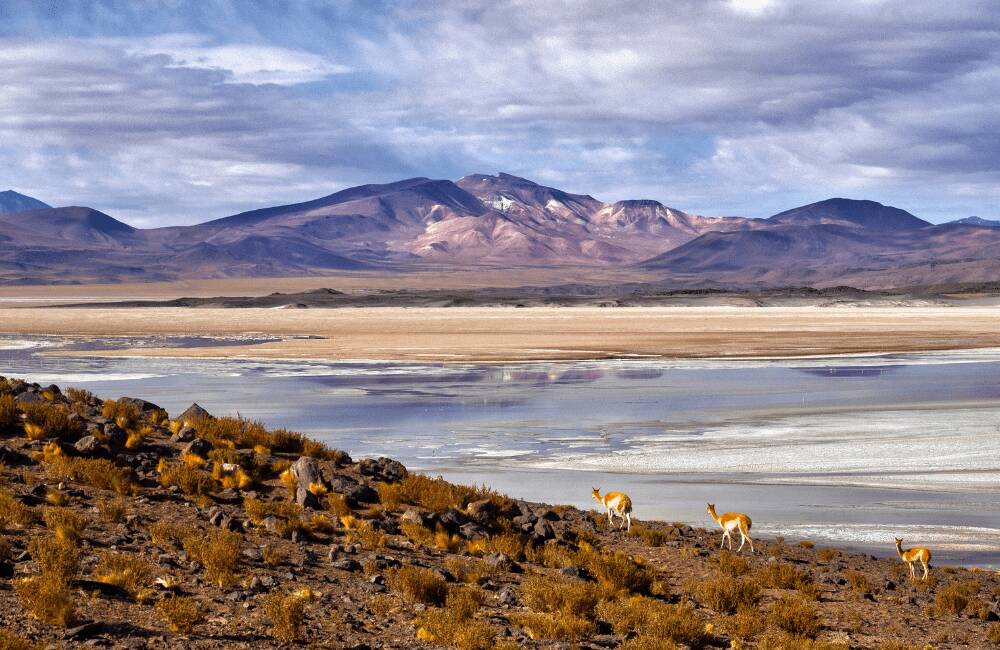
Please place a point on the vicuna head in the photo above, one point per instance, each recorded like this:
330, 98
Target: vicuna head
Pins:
710, 508
596, 493
899, 541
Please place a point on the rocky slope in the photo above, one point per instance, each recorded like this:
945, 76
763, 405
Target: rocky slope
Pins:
125, 528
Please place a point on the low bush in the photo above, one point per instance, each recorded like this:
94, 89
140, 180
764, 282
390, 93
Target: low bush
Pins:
651, 536
562, 596
181, 613
417, 585
125, 414
11, 641
955, 597
858, 581
617, 572
190, 480
652, 619
725, 594
795, 616
744, 625
731, 565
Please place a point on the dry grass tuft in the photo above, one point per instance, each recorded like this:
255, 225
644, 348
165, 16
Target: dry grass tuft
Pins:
129, 571
654, 620
725, 594
125, 414
54, 557
651, 536
9, 416
47, 598
181, 613
365, 534
795, 616
552, 626
44, 420
112, 510
560, 596
95, 472
417, 585
455, 624
390, 495
189, 479
13, 512
955, 598
731, 565
11, 641
438, 495
287, 613
217, 550
64, 523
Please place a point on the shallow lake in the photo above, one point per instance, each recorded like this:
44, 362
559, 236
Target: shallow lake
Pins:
846, 451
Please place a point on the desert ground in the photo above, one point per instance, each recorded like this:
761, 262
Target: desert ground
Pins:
511, 334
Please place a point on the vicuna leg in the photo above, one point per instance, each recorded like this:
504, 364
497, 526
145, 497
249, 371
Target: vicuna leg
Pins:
745, 534
611, 522
924, 563
912, 572
628, 518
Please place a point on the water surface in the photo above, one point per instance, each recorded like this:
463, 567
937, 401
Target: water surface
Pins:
848, 451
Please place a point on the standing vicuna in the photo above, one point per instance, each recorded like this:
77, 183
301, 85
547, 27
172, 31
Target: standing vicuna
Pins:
617, 503
731, 521
914, 555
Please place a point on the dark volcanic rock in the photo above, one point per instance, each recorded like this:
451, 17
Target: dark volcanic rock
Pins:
193, 412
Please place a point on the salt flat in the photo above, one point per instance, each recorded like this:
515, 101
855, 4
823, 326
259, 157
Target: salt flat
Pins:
512, 334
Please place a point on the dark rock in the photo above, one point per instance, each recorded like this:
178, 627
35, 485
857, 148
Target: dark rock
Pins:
186, 434
377, 579
507, 597
571, 571
140, 404
28, 398
85, 631
198, 447
482, 511
382, 469
360, 494
346, 564
452, 519
194, 412
547, 514
412, 516
544, 530
115, 436
472, 531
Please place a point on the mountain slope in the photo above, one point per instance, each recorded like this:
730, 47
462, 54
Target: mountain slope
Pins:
849, 212
11, 201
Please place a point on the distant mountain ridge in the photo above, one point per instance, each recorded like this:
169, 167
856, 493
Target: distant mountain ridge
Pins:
503, 221
11, 201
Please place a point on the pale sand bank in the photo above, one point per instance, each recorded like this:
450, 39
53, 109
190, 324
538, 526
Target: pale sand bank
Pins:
510, 334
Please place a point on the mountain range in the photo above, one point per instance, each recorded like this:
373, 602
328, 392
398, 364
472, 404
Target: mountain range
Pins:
499, 222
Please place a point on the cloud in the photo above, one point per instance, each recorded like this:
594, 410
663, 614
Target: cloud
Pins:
240, 63
724, 106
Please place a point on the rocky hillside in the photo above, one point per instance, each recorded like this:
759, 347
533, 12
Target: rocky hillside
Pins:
124, 527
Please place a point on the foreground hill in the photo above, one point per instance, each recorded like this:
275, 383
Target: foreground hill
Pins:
126, 528
499, 222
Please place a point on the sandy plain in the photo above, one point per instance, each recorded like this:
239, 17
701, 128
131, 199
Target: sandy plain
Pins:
484, 334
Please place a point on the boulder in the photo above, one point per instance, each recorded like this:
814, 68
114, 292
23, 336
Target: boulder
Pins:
90, 446
307, 473
483, 511
115, 436
472, 531
382, 469
194, 412
198, 447
186, 434
139, 404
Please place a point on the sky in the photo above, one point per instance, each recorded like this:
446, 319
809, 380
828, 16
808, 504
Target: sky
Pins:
173, 112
